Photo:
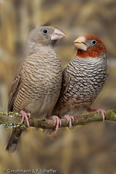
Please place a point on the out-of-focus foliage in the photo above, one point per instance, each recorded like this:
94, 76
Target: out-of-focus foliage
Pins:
84, 149
87, 149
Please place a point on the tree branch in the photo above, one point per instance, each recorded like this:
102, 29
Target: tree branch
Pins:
13, 120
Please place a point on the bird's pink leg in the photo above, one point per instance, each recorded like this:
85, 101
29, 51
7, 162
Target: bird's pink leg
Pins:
69, 119
57, 121
102, 111
24, 116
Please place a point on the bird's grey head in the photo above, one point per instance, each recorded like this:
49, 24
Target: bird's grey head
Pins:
45, 35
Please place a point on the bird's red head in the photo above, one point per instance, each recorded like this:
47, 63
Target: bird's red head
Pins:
89, 46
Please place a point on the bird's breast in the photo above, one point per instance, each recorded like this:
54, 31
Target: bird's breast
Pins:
86, 80
43, 79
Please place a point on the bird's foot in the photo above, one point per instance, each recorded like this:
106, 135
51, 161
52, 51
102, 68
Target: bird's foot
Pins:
69, 119
102, 111
57, 121
24, 116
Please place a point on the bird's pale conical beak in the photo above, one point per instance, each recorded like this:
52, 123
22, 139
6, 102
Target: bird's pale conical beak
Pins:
80, 43
57, 34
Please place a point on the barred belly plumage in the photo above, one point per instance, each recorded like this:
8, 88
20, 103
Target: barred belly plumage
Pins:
86, 78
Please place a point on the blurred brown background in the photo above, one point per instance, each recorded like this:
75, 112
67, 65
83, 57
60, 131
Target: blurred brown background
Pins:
89, 149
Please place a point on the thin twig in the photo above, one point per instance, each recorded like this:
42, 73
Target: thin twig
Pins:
13, 120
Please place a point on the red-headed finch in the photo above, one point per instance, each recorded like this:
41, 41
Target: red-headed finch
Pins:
36, 87
83, 78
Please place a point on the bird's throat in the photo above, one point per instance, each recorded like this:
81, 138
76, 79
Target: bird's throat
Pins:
83, 54
90, 52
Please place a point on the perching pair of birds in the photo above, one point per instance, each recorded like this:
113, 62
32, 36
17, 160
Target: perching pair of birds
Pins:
40, 89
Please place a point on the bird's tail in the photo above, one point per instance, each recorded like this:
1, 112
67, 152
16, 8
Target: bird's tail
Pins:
14, 139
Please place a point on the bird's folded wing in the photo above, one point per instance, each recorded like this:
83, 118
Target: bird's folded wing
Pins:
14, 91
65, 82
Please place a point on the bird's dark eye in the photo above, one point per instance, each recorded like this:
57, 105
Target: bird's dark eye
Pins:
94, 42
45, 31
